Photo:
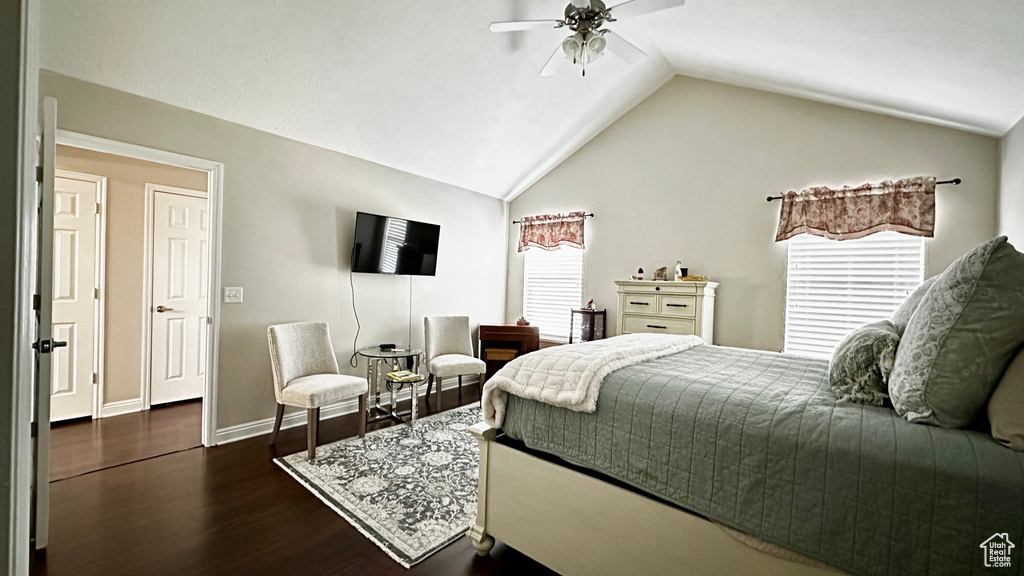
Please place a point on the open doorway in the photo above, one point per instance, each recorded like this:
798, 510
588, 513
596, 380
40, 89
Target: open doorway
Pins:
132, 290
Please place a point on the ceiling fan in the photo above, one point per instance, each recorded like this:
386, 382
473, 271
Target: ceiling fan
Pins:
589, 41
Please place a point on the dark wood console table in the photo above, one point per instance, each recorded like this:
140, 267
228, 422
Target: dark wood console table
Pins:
522, 339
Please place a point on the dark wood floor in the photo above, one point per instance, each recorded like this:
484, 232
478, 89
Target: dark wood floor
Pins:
86, 446
230, 510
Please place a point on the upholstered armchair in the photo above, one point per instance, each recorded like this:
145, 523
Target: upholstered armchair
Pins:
306, 376
449, 347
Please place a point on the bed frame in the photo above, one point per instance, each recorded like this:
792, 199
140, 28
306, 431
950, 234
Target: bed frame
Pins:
576, 524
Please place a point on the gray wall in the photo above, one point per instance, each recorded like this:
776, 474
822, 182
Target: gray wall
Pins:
10, 111
289, 210
1011, 186
683, 176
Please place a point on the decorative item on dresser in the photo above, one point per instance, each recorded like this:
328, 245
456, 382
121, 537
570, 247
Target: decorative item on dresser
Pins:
667, 307
498, 340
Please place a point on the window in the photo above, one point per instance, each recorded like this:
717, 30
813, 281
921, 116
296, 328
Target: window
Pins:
833, 287
552, 287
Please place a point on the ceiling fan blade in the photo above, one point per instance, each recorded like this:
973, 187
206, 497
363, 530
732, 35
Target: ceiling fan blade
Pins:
581, 4
631, 8
554, 64
622, 48
520, 25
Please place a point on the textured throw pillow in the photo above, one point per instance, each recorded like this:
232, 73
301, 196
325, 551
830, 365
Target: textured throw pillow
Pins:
906, 310
1006, 407
958, 343
860, 366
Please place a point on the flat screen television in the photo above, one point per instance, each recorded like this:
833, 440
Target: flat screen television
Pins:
385, 245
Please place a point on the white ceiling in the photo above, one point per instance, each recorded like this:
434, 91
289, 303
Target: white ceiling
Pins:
425, 88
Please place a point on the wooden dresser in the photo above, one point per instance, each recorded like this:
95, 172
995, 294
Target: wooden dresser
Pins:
667, 307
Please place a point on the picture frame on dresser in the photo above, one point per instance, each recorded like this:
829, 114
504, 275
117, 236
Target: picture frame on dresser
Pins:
680, 307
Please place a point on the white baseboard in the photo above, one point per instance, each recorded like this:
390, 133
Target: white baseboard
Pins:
298, 418
121, 407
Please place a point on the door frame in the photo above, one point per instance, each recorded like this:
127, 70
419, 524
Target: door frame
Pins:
19, 467
99, 313
215, 187
147, 284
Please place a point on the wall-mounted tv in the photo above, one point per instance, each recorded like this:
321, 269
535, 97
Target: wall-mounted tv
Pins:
385, 245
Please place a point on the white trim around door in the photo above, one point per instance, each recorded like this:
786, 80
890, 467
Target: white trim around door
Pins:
20, 466
215, 187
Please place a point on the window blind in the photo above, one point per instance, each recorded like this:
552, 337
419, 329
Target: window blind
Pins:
394, 238
552, 287
834, 287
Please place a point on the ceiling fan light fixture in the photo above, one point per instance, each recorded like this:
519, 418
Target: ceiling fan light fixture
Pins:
590, 40
573, 46
595, 45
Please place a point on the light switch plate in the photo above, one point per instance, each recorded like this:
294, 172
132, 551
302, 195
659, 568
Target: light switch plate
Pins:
233, 295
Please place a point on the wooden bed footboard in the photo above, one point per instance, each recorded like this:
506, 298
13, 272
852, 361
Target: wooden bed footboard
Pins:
576, 524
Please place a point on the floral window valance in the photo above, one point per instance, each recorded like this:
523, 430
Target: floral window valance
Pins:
551, 231
906, 206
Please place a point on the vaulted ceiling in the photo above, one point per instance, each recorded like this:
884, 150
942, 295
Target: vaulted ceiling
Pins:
424, 87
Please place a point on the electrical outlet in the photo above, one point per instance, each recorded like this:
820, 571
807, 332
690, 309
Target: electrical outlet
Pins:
233, 295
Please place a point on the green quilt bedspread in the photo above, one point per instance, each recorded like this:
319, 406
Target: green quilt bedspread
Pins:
757, 441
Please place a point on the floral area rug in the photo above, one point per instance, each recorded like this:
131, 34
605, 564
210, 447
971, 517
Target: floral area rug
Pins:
412, 491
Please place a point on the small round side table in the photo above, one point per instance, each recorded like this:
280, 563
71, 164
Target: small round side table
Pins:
379, 363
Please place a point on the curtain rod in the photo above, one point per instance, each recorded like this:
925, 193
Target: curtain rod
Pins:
591, 215
954, 182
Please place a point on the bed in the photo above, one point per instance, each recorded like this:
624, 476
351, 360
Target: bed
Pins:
700, 461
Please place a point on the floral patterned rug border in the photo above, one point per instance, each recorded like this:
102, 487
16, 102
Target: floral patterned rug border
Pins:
355, 477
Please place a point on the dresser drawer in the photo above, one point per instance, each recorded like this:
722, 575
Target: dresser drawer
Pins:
640, 303
685, 306
662, 288
633, 324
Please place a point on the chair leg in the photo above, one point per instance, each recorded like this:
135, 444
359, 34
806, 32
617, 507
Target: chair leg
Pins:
277, 423
430, 384
312, 423
437, 394
362, 415
482, 378
460, 388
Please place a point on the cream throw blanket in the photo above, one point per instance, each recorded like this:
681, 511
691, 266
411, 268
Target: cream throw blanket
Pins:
570, 376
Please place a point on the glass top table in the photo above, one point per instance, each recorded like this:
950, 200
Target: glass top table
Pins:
376, 352
379, 363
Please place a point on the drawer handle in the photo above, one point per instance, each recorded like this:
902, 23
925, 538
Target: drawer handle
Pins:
677, 305
653, 326
640, 303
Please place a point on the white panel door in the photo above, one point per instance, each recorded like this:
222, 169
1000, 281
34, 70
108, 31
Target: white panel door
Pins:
75, 227
44, 325
180, 264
